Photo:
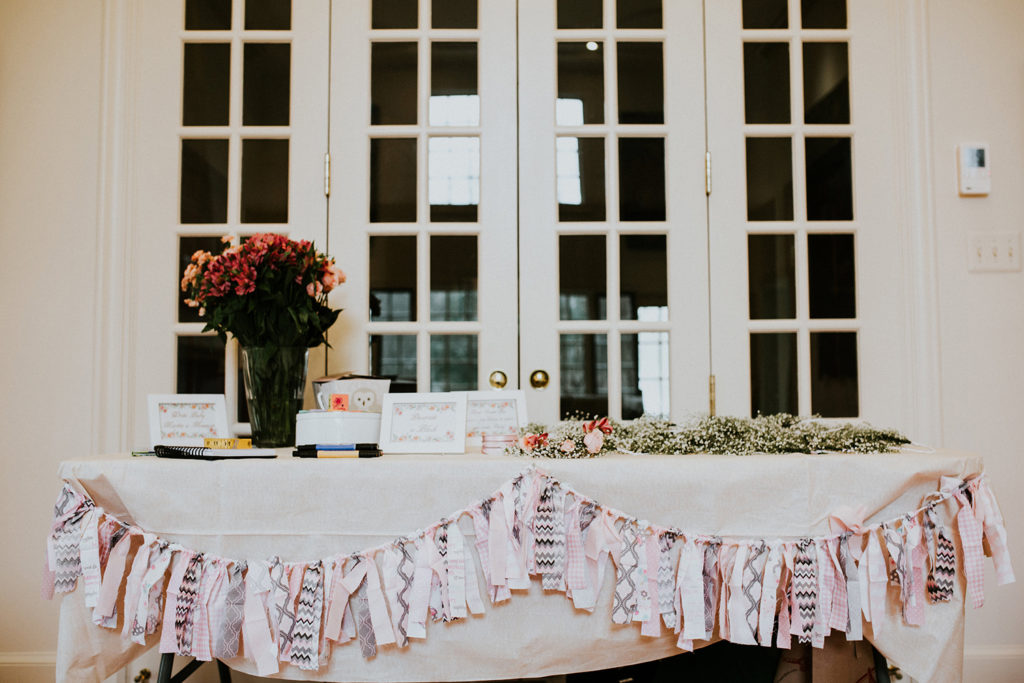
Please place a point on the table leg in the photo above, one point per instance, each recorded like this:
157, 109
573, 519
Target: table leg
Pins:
166, 664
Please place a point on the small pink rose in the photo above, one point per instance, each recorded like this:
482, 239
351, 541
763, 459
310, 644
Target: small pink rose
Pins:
594, 440
567, 446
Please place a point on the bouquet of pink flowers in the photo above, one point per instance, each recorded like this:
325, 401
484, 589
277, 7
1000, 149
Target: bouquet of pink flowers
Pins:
267, 291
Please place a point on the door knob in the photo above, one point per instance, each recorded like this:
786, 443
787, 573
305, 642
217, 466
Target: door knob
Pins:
539, 379
498, 379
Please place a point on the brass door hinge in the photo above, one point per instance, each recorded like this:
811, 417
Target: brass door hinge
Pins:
711, 395
327, 174
707, 173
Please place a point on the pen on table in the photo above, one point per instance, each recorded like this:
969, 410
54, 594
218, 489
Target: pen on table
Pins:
363, 453
338, 447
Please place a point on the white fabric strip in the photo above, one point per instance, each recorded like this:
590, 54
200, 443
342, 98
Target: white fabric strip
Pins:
90, 549
256, 629
456, 570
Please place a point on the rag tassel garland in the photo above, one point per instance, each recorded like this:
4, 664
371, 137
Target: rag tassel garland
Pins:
750, 589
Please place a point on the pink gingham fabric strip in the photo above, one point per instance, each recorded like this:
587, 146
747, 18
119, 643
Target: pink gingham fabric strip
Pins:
995, 532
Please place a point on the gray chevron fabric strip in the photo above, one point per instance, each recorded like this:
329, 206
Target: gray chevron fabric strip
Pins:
68, 553
225, 644
549, 530
805, 588
625, 583
942, 576
188, 592
306, 638
406, 568
364, 625
711, 585
284, 610
667, 577
753, 578
441, 542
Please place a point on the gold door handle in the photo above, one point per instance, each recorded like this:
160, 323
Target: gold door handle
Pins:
498, 379
539, 379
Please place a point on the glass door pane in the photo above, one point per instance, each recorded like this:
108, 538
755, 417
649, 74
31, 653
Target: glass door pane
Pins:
423, 208
232, 130
806, 308
613, 295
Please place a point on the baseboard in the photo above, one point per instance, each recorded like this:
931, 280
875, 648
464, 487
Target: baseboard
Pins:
27, 667
993, 663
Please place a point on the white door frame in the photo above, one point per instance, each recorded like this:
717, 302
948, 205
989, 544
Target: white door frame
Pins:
114, 394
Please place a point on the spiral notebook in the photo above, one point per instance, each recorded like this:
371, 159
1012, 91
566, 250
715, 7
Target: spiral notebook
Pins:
201, 453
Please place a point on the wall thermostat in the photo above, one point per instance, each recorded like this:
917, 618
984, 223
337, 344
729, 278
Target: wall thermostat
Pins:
974, 177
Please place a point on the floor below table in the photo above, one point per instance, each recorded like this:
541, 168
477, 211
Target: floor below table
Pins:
840, 661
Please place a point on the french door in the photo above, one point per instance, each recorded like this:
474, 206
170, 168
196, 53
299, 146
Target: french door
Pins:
518, 204
619, 206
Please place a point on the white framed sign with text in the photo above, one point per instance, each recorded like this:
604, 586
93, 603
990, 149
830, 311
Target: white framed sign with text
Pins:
186, 419
424, 423
495, 413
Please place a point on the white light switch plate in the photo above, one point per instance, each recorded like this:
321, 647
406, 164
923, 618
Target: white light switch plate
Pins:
993, 252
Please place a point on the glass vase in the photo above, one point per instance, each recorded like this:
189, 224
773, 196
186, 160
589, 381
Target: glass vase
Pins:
275, 378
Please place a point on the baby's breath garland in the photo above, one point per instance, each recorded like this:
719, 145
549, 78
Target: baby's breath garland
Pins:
781, 433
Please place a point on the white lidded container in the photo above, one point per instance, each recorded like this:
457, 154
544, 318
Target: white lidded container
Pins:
336, 426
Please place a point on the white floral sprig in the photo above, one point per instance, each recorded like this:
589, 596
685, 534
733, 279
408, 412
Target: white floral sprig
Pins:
781, 433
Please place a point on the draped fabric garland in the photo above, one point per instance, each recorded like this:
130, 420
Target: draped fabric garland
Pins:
749, 590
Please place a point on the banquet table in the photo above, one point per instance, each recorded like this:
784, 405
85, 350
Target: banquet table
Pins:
306, 509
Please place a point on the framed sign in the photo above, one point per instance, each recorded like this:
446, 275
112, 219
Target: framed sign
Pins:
494, 413
424, 423
186, 419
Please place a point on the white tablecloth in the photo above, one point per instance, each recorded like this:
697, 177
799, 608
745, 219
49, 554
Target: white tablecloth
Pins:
309, 509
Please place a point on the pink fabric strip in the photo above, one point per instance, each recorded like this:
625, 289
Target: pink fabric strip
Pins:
784, 637
995, 532
576, 555
106, 602
214, 570
256, 629
971, 533
337, 604
826, 581
840, 612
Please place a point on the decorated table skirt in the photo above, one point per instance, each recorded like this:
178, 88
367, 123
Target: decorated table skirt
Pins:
465, 567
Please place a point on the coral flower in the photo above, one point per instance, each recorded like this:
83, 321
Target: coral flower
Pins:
567, 446
531, 441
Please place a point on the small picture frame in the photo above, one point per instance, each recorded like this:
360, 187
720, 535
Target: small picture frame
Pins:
494, 413
424, 423
186, 419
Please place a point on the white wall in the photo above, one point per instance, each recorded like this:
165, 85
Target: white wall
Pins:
977, 94
50, 84
49, 123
